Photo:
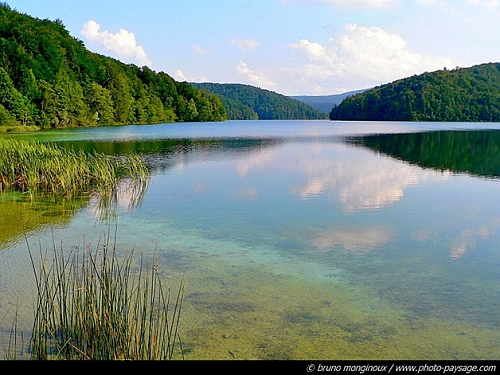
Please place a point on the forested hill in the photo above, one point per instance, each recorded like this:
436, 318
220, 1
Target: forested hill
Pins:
462, 94
244, 102
49, 79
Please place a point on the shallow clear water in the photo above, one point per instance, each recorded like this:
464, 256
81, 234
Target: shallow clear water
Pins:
299, 241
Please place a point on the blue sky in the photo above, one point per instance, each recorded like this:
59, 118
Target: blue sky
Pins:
293, 47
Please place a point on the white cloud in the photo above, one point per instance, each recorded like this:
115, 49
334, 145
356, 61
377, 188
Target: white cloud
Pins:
362, 57
253, 77
122, 44
245, 44
178, 75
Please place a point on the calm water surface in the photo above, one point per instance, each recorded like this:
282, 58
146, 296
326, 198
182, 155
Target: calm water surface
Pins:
299, 239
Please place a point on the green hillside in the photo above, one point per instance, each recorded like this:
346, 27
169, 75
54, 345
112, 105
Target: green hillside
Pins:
49, 79
463, 94
244, 102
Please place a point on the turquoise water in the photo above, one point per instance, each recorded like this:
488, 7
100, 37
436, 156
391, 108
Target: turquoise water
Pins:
298, 240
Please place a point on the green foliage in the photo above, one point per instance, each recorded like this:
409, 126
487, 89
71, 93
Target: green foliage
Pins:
236, 110
11, 99
49, 79
244, 102
463, 94
6, 118
100, 103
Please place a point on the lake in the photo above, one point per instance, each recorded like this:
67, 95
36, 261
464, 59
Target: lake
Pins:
297, 239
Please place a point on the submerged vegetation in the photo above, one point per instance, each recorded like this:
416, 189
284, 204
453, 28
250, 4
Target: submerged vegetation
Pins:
38, 168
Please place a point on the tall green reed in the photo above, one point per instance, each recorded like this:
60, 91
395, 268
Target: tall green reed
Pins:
36, 167
92, 306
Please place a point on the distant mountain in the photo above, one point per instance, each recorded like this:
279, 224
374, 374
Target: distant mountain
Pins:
325, 103
244, 102
462, 94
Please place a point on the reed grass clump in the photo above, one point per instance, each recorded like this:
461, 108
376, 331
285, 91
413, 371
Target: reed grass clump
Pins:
36, 167
91, 306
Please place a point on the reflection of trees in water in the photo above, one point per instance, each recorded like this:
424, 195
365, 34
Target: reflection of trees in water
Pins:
469, 151
164, 154
21, 214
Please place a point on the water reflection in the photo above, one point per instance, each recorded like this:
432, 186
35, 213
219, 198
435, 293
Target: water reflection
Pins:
473, 152
356, 181
20, 215
359, 238
476, 152
467, 240
163, 154
332, 169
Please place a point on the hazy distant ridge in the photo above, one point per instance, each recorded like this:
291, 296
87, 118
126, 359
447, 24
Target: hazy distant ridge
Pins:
325, 103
